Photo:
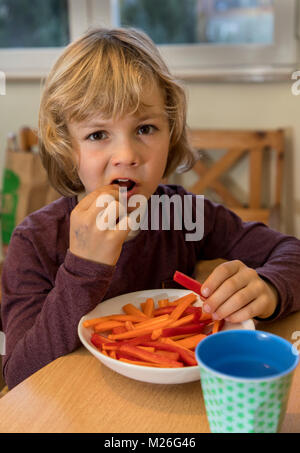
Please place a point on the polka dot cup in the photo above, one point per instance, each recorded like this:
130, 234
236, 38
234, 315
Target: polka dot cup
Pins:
245, 376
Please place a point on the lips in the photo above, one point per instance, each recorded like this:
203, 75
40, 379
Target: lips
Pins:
124, 182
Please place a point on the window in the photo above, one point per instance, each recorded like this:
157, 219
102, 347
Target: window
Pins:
43, 24
208, 39
205, 21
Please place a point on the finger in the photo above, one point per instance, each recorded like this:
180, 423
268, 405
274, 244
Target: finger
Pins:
219, 275
226, 290
91, 198
123, 227
249, 311
234, 303
108, 218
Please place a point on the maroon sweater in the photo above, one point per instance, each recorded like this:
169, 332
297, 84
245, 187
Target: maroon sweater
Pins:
46, 289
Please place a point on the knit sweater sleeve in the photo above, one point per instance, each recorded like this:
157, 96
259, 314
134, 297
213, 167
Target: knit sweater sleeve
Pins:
40, 317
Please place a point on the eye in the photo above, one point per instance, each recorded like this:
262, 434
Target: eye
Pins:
98, 135
146, 129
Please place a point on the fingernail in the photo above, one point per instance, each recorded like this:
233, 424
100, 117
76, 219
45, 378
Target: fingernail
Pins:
205, 292
207, 308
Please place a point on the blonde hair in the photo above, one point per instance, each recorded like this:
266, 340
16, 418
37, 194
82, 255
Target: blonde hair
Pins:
105, 70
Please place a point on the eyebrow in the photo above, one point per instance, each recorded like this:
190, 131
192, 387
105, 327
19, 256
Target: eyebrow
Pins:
146, 116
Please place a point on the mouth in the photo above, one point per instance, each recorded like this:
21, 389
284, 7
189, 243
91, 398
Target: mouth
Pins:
129, 184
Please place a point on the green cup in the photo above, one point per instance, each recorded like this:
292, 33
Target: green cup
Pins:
246, 377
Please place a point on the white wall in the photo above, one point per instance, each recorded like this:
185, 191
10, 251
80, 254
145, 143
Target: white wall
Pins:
215, 105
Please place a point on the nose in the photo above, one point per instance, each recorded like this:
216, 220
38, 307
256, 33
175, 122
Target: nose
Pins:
125, 154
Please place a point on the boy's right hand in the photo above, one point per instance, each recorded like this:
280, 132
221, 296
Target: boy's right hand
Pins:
86, 239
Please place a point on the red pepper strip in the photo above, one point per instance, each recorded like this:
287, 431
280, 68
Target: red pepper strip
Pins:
98, 340
188, 357
133, 341
183, 330
149, 356
196, 311
188, 282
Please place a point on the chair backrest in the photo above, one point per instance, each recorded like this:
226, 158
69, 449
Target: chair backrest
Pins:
28, 139
239, 143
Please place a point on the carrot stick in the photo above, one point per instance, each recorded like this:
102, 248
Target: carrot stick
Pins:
178, 301
205, 316
119, 329
139, 362
169, 354
147, 348
168, 340
152, 321
149, 307
183, 304
163, 303
130, 309
112, 354
138, 332
217, 326
182, 321
108, 325
129, 325
156, 334
191, 342
92, 322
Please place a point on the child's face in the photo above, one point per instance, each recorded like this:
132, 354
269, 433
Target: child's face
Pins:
133, 147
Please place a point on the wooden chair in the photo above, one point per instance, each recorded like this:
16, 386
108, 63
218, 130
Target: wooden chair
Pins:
26, 140
258, 146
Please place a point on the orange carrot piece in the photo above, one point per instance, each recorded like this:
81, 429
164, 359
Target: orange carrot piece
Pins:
205, 316
147, 348
129, 325
191, 342
163, 303
180, 299
182, 306
92, 322
169, 354
180, 337
138, 332
156, 334
152, 321
149, 307
217, 326
112, 354
109, 347
124, 318
108, 325
139, 362
168, 340
130, 309
119, 329
182, 321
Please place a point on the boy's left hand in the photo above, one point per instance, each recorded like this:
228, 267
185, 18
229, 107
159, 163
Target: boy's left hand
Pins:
236, 293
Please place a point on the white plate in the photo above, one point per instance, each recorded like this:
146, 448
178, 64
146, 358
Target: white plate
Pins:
143, 373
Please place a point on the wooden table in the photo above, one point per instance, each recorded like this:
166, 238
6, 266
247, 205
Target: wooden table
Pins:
76, 393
